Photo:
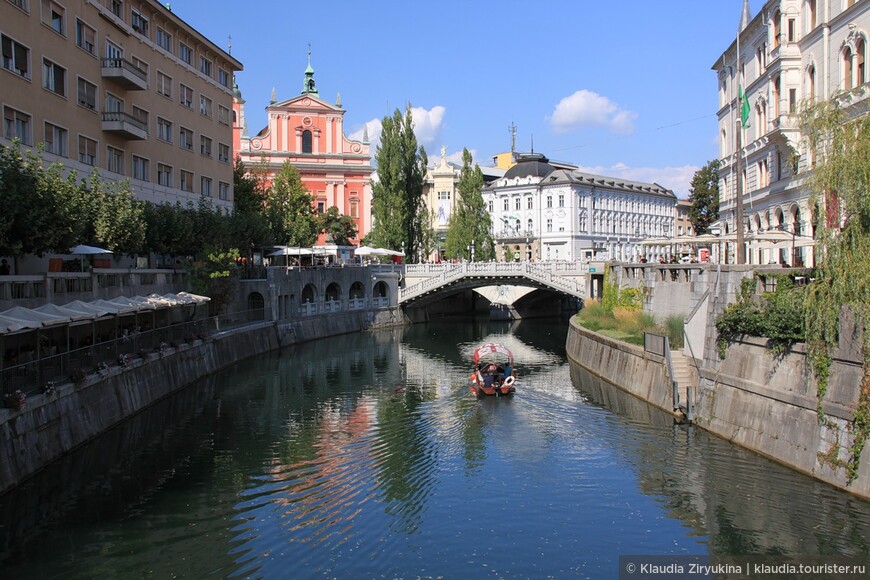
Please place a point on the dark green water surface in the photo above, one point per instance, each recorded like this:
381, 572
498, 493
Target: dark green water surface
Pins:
364, 456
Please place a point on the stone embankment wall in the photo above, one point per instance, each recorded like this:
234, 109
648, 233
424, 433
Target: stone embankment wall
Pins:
47, 427
623, 365
764, 403
769, 405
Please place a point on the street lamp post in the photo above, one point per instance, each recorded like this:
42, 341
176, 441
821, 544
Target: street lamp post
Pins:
666, 228
636, 243
472, 250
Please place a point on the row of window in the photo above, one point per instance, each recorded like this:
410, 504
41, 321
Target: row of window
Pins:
16, 59
602, 225
165, 129
17, 125
165, 132
54, 16
597, 203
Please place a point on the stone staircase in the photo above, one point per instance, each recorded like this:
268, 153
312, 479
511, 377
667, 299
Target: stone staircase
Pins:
684, 375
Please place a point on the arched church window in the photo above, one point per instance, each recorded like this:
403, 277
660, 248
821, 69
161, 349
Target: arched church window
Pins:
306, 142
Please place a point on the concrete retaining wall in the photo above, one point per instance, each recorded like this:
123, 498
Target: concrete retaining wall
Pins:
769, 405
623, 365
47, 427
766, 404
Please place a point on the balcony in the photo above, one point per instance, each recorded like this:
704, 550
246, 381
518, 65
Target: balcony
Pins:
125, 73
124, 125
508, 235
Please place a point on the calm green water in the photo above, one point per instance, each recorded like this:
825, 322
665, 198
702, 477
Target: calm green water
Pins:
364, 456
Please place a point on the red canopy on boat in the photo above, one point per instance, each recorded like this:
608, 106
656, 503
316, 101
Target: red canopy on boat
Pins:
492, 350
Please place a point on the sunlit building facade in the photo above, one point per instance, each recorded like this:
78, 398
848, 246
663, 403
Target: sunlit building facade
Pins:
308, 132
791, 53
126, 88
541, 212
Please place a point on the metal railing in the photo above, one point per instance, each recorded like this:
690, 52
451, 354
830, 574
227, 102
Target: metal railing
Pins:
538, 272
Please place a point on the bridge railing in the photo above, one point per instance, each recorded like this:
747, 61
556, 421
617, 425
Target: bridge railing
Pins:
539, 272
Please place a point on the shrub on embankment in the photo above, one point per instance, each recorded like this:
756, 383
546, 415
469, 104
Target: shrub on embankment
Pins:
619, 315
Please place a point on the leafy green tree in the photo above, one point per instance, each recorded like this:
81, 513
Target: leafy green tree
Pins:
217, 278
704, 195
118, 218
249, 193
341, 228
398, 207
39, 213
289, 209
171, 229
469, 222
247, 225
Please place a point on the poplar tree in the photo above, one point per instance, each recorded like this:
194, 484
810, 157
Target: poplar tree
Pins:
399, 210
704, 195
469, 221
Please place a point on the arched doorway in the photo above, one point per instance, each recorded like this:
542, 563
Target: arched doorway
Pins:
357, 295
256, 306
380, 294
309, 299
332, 297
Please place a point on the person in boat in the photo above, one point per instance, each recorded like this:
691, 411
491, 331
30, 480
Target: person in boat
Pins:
492, 377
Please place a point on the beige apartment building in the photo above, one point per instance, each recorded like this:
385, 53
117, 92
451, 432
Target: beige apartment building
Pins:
122, 86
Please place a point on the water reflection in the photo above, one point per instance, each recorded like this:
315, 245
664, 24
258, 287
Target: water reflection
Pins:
364, 455
746, 504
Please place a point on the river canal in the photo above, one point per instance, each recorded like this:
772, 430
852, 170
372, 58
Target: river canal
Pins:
364, 456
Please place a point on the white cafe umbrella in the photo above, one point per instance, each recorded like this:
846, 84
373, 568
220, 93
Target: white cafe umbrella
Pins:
366, 251
292, 252
88, 250
82, 250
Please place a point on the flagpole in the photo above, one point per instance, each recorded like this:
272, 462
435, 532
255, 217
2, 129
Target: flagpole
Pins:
741, 95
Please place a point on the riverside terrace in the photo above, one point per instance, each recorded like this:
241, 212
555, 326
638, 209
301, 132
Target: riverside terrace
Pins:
52, 344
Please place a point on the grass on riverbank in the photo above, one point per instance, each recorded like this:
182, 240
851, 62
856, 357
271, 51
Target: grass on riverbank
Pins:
628, 325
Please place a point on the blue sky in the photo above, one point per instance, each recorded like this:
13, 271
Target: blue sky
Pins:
619, 88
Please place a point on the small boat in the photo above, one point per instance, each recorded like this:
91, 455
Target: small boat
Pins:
493, 371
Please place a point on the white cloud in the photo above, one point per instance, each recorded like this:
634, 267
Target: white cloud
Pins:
589, 108
676, 179
455, 157
427, 127
427, 124
374, 130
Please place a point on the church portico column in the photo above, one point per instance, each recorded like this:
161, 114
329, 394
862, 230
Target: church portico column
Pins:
341, 202
329, 130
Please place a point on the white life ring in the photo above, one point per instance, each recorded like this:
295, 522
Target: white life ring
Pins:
509, 382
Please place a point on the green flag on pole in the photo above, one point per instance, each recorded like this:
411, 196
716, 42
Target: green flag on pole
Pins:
744, 108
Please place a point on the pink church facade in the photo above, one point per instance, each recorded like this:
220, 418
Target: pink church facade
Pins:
309, 133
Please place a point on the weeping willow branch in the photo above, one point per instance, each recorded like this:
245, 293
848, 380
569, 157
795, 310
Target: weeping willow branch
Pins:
840, 185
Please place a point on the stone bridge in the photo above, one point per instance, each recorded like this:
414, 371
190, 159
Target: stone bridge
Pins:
428, 282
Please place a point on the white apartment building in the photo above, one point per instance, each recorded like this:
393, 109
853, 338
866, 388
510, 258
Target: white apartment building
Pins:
791, 52
540, 212
123, 86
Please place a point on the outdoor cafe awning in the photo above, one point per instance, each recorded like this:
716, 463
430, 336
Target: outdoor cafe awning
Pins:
18, 319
